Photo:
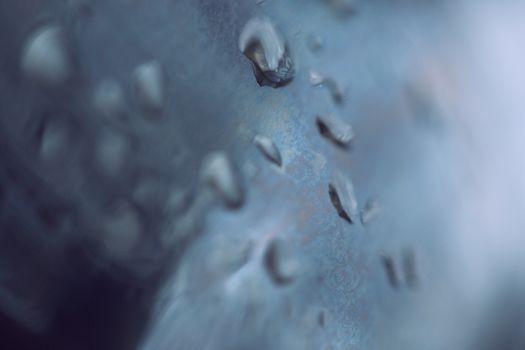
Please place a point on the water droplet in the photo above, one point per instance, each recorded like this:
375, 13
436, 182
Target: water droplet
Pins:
149, 87
109, 99
335, 90
409, 267
390, 270
315, 77
178, 201
111, 151
370, 211
314, 42
218, 173
54, 141
342, 195
229, 255
265, 47
335, 129
45, 58
321, 318
279, 263
268, 148
343, 8
121, 231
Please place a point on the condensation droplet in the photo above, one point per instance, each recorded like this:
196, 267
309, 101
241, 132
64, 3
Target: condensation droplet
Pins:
45, 58
111, 151
268, 148
390, 270
336, 130
279, 263
54, 141
321, 317
315, 78
370, 211
341, 191
121, 231
219, 174
409, 268
109, 99
314, 42
335, 90
265, 47
343, 8
149, 87
178, 201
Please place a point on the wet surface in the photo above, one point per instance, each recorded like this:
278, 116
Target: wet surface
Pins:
198, 256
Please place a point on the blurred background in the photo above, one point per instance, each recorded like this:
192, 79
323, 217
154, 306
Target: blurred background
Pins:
262, 174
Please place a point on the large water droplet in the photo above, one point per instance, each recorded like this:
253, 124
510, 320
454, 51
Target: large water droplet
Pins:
149, 87
268, 148
218, 172
370, 211
109, 99
265, 47
279, 263
45, 58
335, 129
342, 195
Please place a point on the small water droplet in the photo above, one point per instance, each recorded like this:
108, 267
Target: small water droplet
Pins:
279, 263
121, 231
314, 42
179, 201
229, 255
219, 174
409, 267
335, 90
149, 87
265, 47
341, 191
336, 130
343, 8
45, 58
54, 142
321, 318
370, 211
390, 270
268, 148
111, 151
315, 78
109, 99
